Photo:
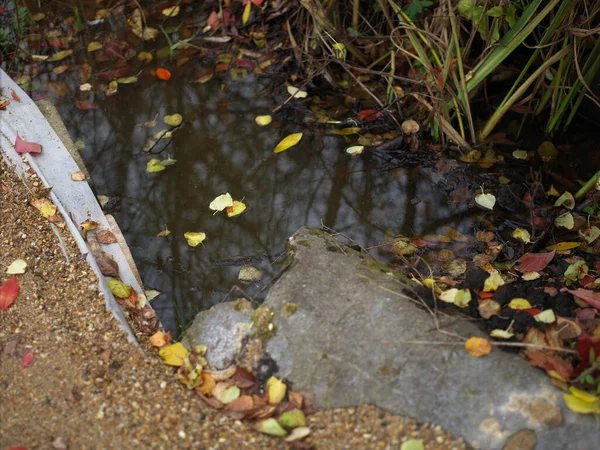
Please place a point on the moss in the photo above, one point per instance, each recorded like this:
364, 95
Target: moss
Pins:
371, 263
304, 243
316, 232
289, 309
241, 305
264, 328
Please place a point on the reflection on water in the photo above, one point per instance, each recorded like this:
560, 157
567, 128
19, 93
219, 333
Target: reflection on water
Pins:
220, 149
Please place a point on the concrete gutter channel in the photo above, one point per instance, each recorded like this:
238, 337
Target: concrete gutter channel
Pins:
75, 200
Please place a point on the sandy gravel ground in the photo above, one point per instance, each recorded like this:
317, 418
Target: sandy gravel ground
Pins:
89, 388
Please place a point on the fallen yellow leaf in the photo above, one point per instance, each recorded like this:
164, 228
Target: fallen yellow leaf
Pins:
174, 354
236, 209
158, 339
193, 239
276, 389
287, 142
478, 347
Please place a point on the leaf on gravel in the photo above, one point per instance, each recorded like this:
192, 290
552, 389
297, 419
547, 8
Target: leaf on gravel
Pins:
592, 298
17, 267
193, 238
8, 293
292, 419
270, 427
582, 402
295, 92
208, 384
287, 142
174, 354
276, 390
534, 262
486, 201
44, 206
298, 433
221, 202
230, 394
78, 176
478, 347
22, 146
413, 444
158, 339
118, 288
27, 359
236, 209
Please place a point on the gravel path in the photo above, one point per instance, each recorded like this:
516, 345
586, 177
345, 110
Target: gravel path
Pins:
89, 388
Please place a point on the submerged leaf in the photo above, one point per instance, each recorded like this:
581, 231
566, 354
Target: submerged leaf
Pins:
236, 209
486, 201
534, 262
287, 142
262, 121
173, 120
295, 92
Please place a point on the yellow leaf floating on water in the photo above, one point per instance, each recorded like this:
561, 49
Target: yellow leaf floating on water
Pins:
93, 46
582, 402
164, 232
221, 202
355, 150
287, 142
276, 389
246, 13
236, 209
60, 55
173, 120
193, 238
262, 121
156, 165
174, 354
478, 347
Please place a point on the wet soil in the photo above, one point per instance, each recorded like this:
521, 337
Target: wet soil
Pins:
88, 387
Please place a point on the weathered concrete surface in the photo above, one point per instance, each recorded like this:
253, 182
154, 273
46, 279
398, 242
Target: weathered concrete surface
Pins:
355, 337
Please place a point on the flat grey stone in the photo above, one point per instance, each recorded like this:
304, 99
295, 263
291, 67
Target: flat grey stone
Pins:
355, 336
222, 329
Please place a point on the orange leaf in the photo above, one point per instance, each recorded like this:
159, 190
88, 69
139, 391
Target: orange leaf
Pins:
163, 74
158, 339
477, 347
8, 293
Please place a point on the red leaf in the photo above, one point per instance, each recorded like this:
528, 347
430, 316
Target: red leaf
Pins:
28, 359
84, 105
584, 344
8, 293
533, 311
534, 262
368, 114
246, 63
14, 96
163, 74
22, 146
550, 363
257, 2
213, 20
590, 297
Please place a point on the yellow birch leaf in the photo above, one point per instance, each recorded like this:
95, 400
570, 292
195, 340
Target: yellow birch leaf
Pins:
193, 239
346, 131
174, 354
565, 220
522, 234
561, 246
173, 120
246, 14
145, 57
236, 209
262, 121
171, 12
287, 142
581, 406
276, 389
546, 316
154, 165
493, 282
355, 150
486, 201
221, 202
118, 288
295, 92
478, 347
60, 55
501, 334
